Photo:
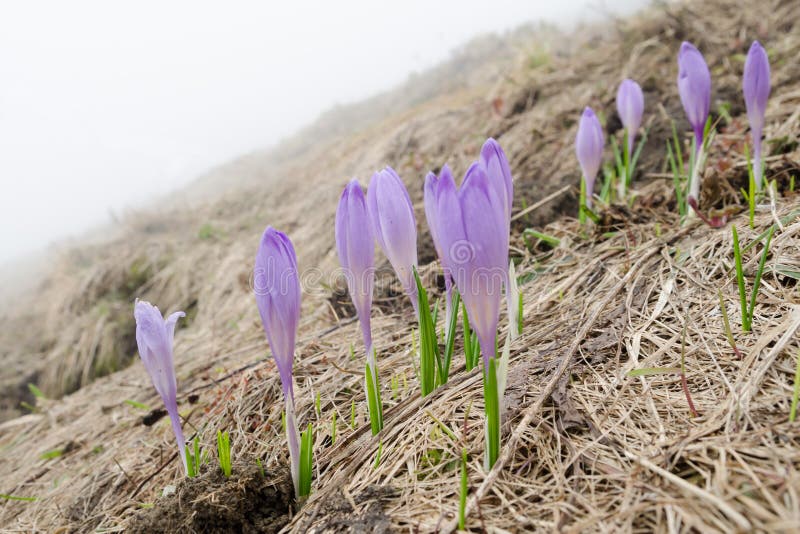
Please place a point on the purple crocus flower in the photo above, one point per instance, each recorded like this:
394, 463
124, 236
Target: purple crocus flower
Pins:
694, 87
356, 248
630, 106
432, 215
589, 143
393, 223
154, 337
756, 87
277, 290
472, 226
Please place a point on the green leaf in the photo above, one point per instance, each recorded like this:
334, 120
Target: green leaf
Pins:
373, 400
306, 461
137, 405
759, 274
36, 391
450, 339
462, 498
552, 242
737, 258
429, 360
17, 498
224, 452
49, 455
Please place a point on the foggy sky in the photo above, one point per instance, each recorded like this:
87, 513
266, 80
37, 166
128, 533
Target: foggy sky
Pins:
104, 105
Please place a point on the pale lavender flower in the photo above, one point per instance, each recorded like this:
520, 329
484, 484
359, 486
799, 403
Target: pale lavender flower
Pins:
694, 88
356, 247
393, 223
277, 290
154, 337
432, 215
756, 87
472, 225
630, 107
589, 143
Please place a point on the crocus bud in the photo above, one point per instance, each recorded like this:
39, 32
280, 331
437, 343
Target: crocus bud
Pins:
392, 218
154, 337
630, 106
694, 87
432, 215
276, 285
277, 291
474, 241
356, 247
589, 148
756, 87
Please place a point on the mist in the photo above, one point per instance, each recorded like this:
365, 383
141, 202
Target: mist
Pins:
106, 106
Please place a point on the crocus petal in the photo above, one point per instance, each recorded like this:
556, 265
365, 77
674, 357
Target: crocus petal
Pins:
154, 337
694, 87
277, 292
356, 249
394, 225
499, 172
589, 143
630, 107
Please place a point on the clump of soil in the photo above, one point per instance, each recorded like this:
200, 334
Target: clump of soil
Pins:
248, 501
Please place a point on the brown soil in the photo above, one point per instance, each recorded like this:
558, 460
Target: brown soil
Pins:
247, 502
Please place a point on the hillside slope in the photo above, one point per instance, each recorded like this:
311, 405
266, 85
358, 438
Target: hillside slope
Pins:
586, 446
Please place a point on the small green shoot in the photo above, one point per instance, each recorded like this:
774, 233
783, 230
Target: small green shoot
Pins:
462, 496
796, 393
318, 405
17, 498
224, 452
261, 468
582, 203
49, 455
377, 461
137, 405
193, 460
737, 258
550, 241
353, 414
306, 461
35, 391
747, 311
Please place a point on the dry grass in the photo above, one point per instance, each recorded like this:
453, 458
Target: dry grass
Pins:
586, 446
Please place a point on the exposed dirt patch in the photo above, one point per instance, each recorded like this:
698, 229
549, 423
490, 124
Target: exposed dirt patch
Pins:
341, 517
248, 501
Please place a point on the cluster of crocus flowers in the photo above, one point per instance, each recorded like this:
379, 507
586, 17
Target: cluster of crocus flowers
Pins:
756, 89
276, 286
154, 338
356, 248
471, 224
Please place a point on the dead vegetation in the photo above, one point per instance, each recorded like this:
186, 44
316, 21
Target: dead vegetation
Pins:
586, 446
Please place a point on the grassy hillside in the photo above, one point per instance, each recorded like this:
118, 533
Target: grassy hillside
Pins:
587, 444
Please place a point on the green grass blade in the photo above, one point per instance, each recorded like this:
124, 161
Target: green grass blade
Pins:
759, 274
796, 394
582, 203
650, 371
552, 242
462, 496
737, 258
224, 452
17, 498
333, 429
450, 339
429, 360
